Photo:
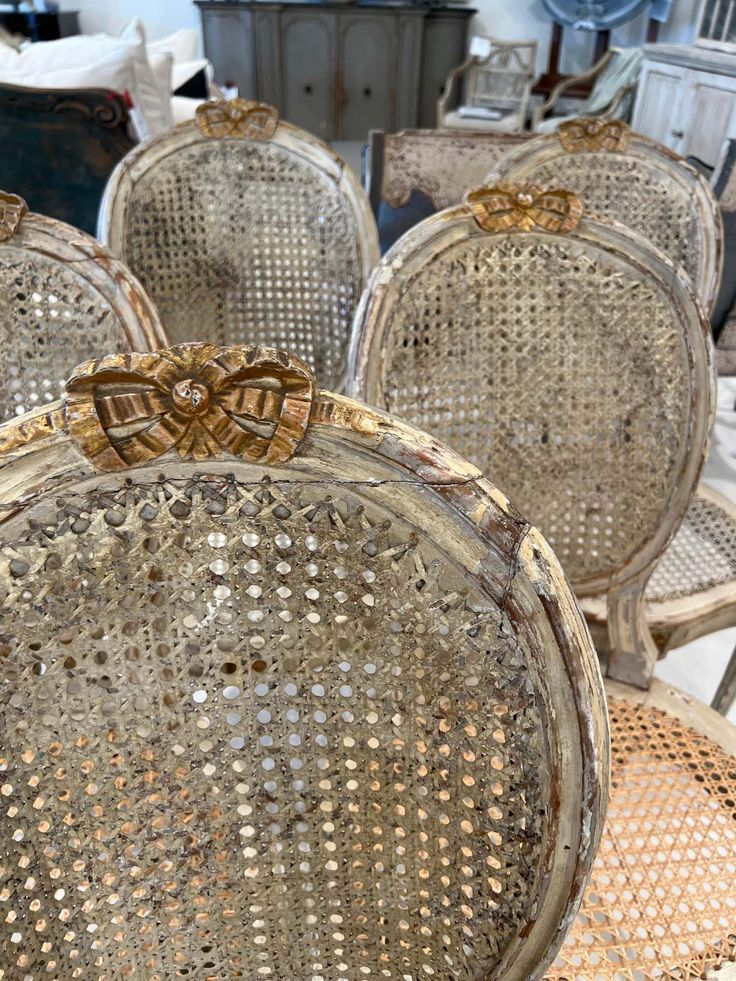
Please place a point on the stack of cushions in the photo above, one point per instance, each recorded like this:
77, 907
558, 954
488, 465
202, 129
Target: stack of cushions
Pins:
146, 73
183, 46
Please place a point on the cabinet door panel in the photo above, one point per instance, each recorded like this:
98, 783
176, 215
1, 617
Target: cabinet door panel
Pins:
712, 115
308, 68
228, 44
658, 105
367, 74
445, 44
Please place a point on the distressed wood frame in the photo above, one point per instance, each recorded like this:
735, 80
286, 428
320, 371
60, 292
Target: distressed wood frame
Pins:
521, 163
633, 650
468, 518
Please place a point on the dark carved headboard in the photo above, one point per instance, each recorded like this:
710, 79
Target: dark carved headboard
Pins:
59, 148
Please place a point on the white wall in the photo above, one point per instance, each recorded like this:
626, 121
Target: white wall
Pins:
160, 17
509, 19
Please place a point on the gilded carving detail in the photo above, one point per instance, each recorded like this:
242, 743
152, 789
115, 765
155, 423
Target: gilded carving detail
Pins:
201, 399
523, 207
240, 118
594, 135
12, 210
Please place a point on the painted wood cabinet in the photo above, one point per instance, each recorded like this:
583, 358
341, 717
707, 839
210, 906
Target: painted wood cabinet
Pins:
687, 99
337, 69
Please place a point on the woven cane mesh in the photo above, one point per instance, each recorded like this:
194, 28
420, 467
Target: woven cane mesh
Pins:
443, 165
51, 319
258, 731
636, 193
661, 903
239, 242
702, 554
495, 346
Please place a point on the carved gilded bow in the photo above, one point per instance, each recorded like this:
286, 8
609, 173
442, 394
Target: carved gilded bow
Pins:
129, 409
594, 135
12, 210
522, 207
239, 118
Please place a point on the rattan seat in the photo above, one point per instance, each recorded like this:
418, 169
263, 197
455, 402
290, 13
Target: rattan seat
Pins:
245, 229
288, 691
62, 297
622, 175
661, 903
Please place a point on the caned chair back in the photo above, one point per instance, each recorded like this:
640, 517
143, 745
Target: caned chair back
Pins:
504, 78
62, 297
622, 175
563, 355
290, 690
244, 228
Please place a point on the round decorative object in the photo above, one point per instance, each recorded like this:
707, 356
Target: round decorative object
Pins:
594, 15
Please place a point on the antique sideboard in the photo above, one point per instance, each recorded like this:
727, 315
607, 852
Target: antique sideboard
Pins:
687, 98
338, 69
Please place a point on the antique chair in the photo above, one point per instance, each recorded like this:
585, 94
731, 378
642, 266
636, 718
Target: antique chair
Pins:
569, 359
254, 224
414, 173
62, 296
290, 690
622, 175
65, 144
614, 78
498, 87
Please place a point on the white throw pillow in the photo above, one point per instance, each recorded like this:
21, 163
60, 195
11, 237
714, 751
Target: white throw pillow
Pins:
182, 44
155, 103
184, 108
184, 70
114, 71
8, 56
161, 65
152, 112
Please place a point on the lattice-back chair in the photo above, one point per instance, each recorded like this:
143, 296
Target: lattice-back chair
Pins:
244, 228
416, 172
570, 360
498, 88
289, 690
62, 297
622, 175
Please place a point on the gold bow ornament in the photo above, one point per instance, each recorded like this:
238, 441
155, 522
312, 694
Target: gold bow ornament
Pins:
594, 136
523, 207
239, 118
128, 409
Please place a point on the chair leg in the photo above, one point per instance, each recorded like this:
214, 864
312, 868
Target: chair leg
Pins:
724, 697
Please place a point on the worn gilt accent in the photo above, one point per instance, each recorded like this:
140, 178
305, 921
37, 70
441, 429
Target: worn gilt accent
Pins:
522, 207
594, 135
12, 210
201, 399
240, 118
